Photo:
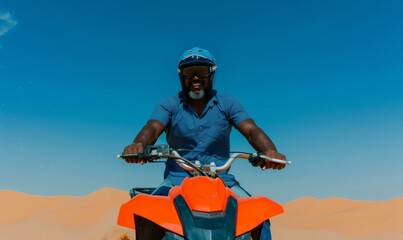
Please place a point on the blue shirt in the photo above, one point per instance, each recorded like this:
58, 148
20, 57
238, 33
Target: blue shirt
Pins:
206, 136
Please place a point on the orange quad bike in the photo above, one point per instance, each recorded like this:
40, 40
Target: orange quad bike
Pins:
201, 208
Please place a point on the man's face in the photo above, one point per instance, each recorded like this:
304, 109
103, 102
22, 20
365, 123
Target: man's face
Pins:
196, 81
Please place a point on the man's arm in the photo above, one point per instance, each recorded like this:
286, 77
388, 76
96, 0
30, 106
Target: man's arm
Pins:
261, 142
148, 135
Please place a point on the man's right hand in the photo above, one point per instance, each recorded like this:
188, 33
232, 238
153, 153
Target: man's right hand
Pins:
134, 148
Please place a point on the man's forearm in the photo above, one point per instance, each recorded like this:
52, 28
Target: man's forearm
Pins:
260, 141
148, 135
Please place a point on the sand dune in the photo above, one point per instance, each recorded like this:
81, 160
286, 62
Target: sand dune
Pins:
89, 217
337, 218
93, 217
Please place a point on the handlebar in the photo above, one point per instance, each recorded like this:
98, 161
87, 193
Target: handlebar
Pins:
163, 151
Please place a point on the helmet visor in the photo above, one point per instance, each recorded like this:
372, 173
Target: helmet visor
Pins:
199, 71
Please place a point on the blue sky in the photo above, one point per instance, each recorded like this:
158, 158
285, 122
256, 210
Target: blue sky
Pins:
324, 79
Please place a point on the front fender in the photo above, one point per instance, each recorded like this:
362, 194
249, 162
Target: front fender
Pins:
158, 209
252, 211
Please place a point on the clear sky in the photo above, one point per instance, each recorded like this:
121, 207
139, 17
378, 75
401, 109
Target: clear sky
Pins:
324, 79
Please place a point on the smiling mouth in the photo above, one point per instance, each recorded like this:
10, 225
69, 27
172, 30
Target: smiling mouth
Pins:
196, 86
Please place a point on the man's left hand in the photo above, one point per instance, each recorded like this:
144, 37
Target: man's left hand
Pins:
269, 164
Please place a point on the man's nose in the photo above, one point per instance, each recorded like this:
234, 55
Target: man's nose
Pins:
195, 77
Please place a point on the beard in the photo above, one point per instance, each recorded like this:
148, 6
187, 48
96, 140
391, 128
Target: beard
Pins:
196, 95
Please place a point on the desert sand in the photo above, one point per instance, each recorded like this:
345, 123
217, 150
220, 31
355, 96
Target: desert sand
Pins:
93, 217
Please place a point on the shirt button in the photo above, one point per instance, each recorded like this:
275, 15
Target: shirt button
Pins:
201, 128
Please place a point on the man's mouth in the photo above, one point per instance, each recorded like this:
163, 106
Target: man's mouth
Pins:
196, 86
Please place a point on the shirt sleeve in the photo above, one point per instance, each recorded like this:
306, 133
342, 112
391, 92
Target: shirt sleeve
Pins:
164, 110
236, 111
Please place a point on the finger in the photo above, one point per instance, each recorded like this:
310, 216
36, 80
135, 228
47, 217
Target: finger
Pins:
281, 166
272, 165
281, 156
267, 164
128, 149
139, 149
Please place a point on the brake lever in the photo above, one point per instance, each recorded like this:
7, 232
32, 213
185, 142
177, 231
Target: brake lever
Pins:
258, 160
129, 156
147, 157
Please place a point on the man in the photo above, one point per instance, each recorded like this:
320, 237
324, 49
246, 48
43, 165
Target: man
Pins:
199, 119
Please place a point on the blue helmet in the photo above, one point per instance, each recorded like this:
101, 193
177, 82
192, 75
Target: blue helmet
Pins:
197, 56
